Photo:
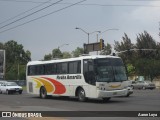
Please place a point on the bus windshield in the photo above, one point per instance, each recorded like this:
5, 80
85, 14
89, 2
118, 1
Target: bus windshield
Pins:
110, 70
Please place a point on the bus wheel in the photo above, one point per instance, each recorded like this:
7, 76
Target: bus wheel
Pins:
81, 95
43, 93
20, 92
7, 92
106, 99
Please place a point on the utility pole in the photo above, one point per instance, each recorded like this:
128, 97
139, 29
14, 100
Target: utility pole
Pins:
159, 29
3, 63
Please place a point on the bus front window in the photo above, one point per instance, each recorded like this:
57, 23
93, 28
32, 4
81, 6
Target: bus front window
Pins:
110, 70
120, 73
104, 74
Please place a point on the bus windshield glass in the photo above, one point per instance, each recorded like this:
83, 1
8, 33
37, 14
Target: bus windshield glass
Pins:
110, 70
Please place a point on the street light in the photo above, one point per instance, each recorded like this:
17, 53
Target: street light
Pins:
87, 32
20, 55
106, 31
62, 45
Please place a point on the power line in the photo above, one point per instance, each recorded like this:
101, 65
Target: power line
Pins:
25, 12
30, 1
117, 5
30, 14
26, 1
101, 5
43, 16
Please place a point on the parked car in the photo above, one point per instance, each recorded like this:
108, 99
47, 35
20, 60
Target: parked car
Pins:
130, 91
10, 87
1, 82
143, 85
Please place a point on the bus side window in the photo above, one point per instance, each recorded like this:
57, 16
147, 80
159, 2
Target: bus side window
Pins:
64, 68
71, 68
40, 70
59, 68
31, 70
47, 69
78, 66
53, 68
28, 70
74, 67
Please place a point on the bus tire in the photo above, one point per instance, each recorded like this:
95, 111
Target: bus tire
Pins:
43, 93
81, 95
20, 92
7, 92
127, 95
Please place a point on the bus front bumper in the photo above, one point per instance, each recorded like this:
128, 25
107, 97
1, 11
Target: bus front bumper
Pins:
112, 93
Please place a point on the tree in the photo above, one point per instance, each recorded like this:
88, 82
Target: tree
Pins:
125, 44
145, 41
149, 68
1, 46
15, 56
56, 53
78, 51
130, 69
66, 55
107, 50
48, 57
15, 51
147, 63
144, 63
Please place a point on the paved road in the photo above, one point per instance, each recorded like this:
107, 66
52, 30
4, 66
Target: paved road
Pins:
141, 100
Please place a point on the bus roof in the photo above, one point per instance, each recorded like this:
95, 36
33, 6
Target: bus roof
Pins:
71, 59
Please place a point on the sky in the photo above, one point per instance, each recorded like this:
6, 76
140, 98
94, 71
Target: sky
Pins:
43, 35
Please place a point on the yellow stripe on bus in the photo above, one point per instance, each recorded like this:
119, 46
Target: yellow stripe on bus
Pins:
39, 84
49, 87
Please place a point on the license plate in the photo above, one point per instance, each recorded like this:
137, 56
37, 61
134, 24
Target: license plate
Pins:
17, 89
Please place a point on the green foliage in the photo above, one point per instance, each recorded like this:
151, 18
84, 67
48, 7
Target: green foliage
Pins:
125, 44
15, 54
107, 50
48, 57
142, 63
11, 74
145, 41
56, 53
148, 67
78, 51
66, 55
130, 69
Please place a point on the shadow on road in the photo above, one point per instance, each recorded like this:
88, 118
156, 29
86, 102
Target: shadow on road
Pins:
74, 99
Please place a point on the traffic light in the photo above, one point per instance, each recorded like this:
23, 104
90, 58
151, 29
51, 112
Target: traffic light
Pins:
101, 44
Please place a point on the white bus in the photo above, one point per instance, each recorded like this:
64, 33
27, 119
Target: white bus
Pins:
84, 77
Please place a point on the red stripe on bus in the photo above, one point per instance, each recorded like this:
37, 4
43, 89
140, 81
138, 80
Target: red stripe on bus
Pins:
59, 87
